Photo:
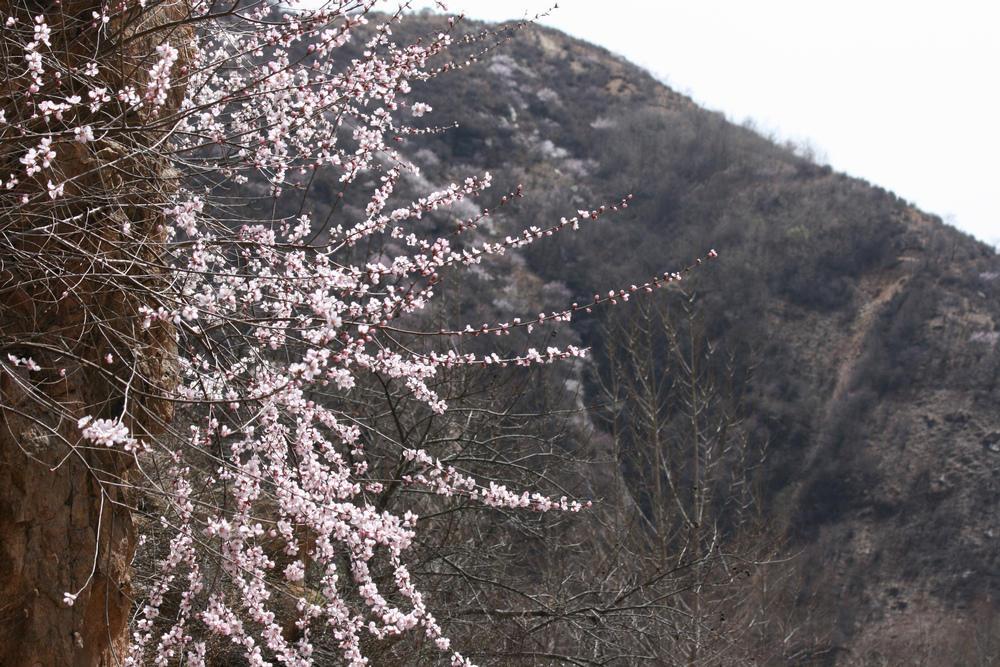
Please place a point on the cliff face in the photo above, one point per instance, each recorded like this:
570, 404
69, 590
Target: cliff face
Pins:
874, 329
71, 282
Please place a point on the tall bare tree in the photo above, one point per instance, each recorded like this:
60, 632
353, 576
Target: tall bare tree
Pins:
690, 499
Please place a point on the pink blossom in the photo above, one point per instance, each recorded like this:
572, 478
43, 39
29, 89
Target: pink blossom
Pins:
282, 316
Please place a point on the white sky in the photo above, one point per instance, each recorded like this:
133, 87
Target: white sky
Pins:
903, 93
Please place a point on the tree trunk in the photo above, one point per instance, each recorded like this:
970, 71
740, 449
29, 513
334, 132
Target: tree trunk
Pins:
65, 504
57, 528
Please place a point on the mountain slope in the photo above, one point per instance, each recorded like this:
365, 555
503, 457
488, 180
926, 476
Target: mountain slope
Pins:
873, 328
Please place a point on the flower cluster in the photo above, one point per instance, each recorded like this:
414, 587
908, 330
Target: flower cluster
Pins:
275, 329
107, 433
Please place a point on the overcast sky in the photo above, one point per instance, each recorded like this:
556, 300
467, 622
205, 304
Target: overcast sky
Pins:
903, 93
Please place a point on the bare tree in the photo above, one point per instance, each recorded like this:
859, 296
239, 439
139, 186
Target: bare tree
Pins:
689, 502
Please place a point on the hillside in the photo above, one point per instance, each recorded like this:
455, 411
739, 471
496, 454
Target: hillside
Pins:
872, 327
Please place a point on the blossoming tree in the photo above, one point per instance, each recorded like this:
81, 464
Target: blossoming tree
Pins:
183, 333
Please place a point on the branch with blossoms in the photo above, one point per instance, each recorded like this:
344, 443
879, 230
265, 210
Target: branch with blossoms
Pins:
224, 350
